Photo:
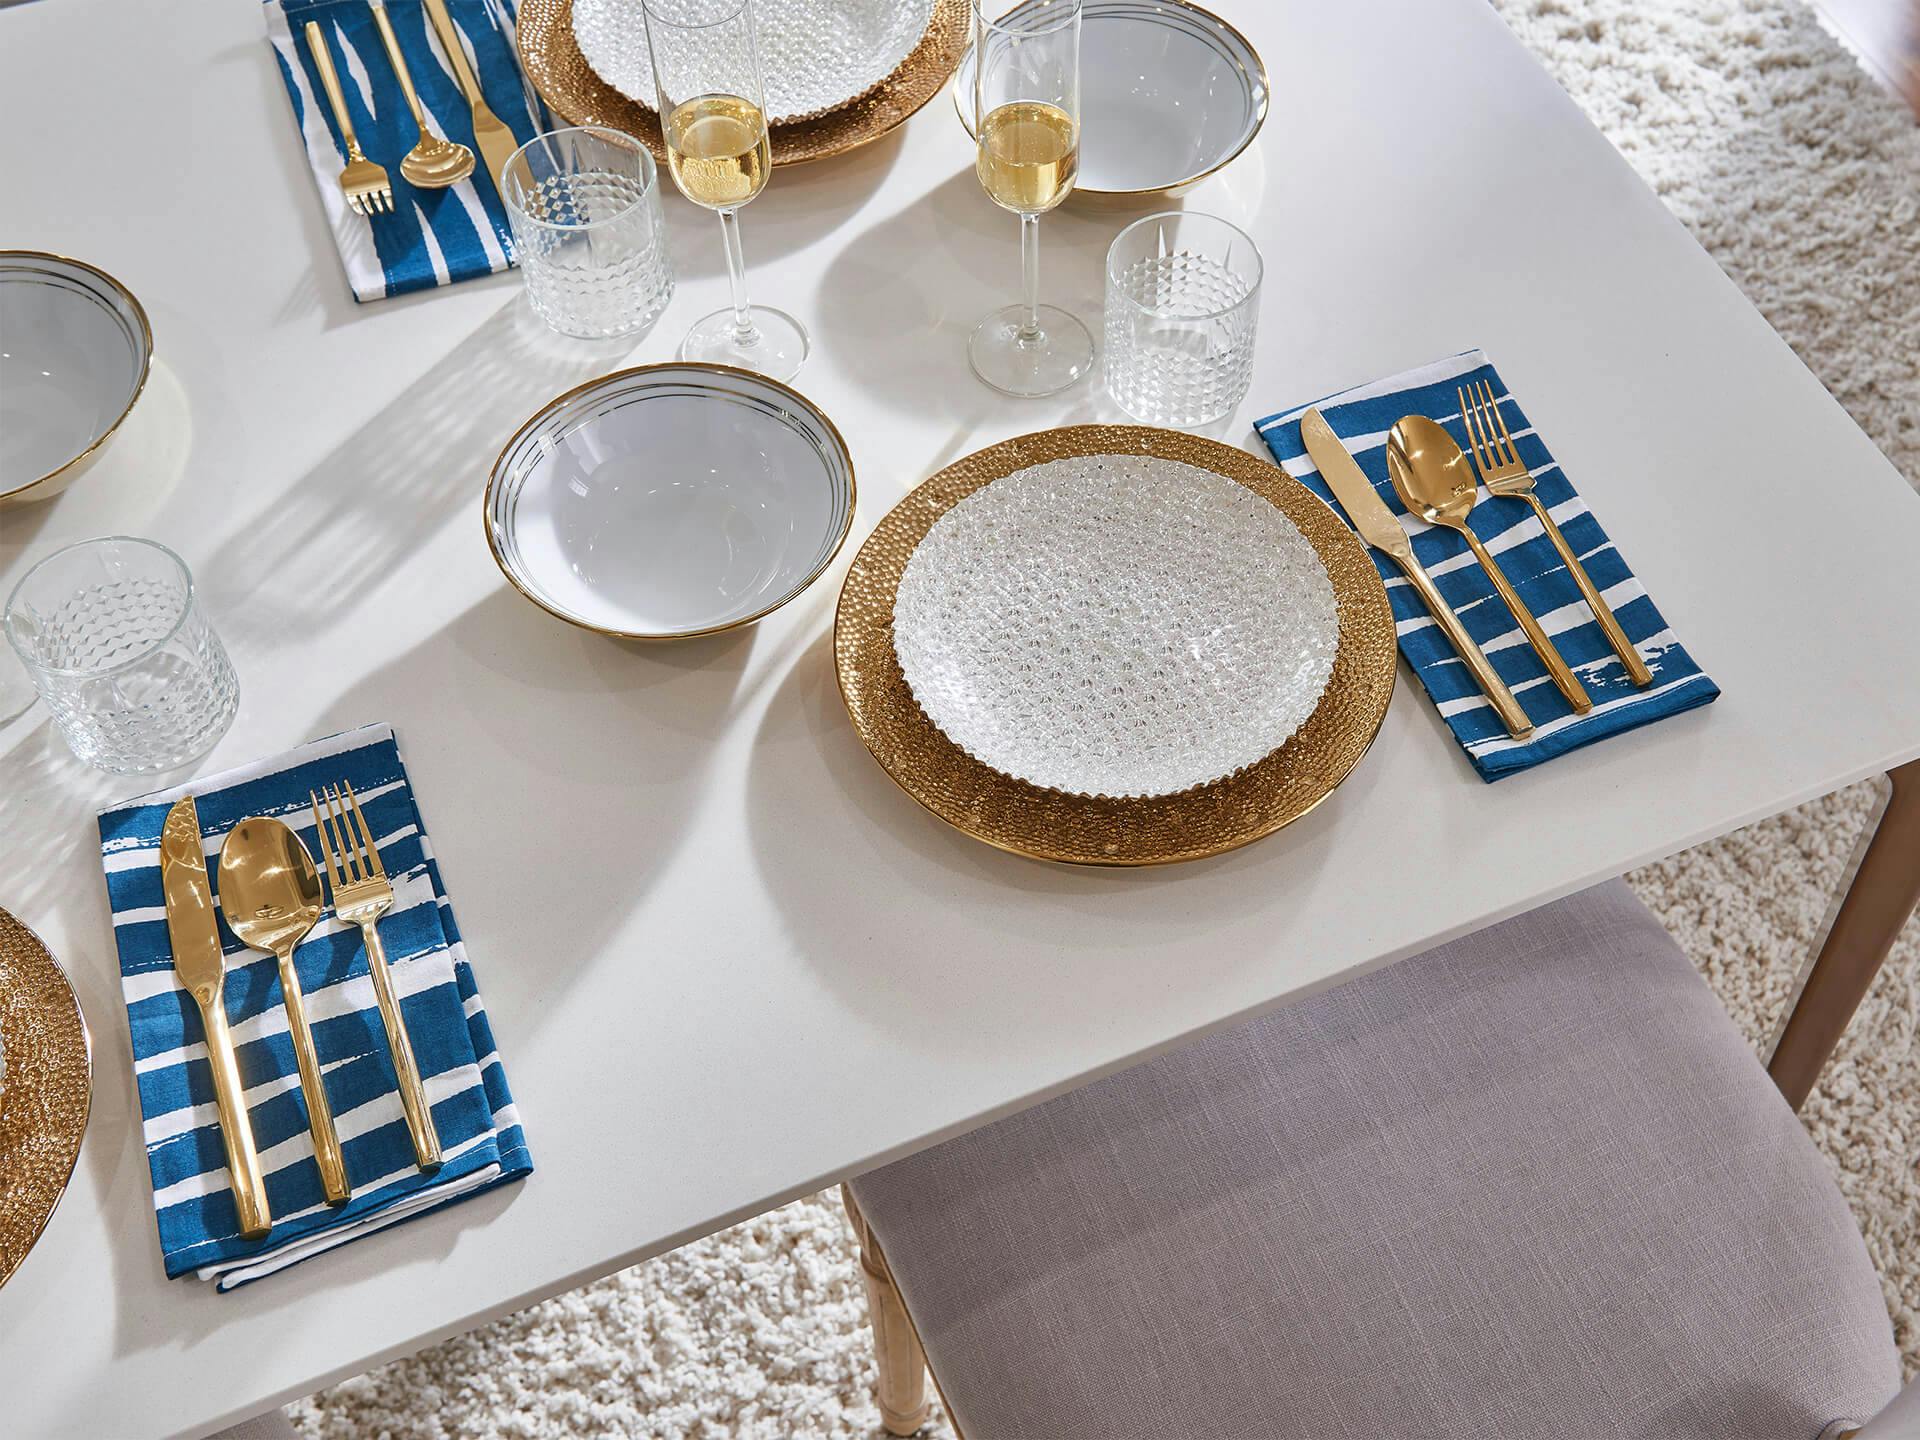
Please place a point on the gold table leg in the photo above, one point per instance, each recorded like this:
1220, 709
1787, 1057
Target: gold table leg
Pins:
1875, 906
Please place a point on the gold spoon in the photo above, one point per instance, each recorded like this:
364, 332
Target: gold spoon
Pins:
270, 894
1435, 481
433, 163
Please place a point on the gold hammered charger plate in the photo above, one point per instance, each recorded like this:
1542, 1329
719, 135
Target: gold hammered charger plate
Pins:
551, 59
47, 1089
1101, 830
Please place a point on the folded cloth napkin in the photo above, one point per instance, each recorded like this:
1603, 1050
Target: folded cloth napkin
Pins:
1361, 417
433, 237
466, 1086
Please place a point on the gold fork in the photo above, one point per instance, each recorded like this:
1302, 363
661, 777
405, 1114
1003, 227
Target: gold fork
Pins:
361, 895
364, 183
1503, 472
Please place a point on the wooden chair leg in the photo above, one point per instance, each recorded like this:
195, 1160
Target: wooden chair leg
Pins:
1875, 906
901, 1390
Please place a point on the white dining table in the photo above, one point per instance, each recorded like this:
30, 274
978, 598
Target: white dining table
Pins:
727, 961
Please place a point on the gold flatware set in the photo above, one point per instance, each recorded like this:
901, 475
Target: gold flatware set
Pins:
272, 897
434, 163
1440, 483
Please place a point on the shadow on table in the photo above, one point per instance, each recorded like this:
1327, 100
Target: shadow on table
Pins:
619, 734
352, 523
831, 829
909, 321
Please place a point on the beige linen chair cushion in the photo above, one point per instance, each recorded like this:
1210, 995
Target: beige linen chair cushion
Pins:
1531, 1183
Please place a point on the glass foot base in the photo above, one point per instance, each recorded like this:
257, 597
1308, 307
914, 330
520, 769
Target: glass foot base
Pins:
1059, 356
778, 345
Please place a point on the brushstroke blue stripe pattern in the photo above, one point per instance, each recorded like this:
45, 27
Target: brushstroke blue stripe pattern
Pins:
1361, 417
473, 1109
433, 237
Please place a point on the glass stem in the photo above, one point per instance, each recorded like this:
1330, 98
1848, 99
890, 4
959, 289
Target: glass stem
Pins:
1030, 276
744, 331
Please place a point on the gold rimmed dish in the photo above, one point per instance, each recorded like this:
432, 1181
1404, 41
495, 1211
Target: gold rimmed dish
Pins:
79, 348
47, 1090
669, 501
1052, 824
550, 57
1170, 94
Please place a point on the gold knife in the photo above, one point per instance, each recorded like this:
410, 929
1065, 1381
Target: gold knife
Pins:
1381, 529
202, 970
490, 133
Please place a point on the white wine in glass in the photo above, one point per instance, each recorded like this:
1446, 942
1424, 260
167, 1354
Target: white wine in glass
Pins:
1026, 109
1029, 154
717, 150
706, 70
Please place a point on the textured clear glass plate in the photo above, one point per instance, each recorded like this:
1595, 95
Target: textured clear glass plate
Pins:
815, 55
1116, 625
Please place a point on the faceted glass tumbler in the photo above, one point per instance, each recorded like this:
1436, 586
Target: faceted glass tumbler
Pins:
588, 233
112, 633
1183, 302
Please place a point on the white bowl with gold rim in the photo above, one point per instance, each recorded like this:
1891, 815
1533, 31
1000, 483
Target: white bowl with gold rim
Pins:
1169, 94
75, 349
668, 501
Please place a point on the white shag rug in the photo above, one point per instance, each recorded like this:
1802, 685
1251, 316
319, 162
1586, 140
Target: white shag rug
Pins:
1803, 180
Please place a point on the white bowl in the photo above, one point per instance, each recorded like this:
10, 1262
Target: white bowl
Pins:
670, 500
75, 347
1168, 94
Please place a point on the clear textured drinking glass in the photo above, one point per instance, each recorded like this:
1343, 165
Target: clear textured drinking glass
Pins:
1026, 125
588, 234
1183, 300
706, 72
112, 633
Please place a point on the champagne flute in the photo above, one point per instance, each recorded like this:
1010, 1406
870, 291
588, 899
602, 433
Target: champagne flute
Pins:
706, 70
1026, 121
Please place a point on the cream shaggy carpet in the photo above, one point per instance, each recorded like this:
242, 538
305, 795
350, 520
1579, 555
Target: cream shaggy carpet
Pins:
1803, 180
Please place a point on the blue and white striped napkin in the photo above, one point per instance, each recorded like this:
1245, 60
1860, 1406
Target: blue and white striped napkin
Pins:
466, 1086
1361, 418
433, 237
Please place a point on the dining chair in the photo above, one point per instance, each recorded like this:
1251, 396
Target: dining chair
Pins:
1532, 1183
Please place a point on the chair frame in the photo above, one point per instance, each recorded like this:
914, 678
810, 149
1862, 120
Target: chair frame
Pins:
1870, 909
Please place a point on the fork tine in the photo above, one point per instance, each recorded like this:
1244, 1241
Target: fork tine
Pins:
1506, 436
386, 199
1469, 414
366, 834
326, 844
336, 836
349, 862
353, 203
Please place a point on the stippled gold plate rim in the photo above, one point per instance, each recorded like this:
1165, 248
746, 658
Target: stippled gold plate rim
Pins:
1026, 819
550, 58
49, 1088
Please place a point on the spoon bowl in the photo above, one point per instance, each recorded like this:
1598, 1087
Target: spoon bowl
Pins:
434, 164
1431, 474
1436, 481
269, 887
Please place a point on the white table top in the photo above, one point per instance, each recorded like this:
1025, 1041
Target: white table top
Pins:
727, 961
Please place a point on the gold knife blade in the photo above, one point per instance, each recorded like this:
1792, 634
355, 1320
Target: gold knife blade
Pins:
1379, 527
1371, 517
490, 133
202, 969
